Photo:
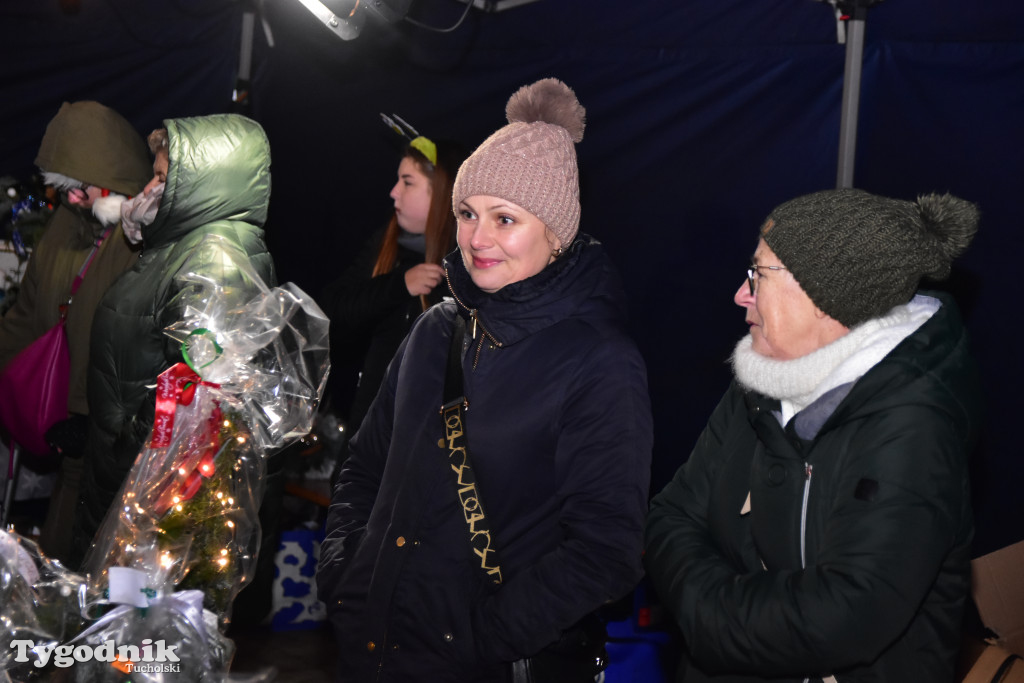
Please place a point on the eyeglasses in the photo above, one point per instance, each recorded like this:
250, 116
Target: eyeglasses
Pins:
752, 275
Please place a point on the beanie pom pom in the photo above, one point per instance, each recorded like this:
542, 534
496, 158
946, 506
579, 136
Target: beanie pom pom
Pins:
549, 101
951, 222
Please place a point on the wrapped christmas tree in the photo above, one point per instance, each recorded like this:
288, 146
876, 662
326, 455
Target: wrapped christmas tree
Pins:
183, 539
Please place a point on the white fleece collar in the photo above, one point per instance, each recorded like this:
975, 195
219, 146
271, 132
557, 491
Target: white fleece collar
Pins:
799, 382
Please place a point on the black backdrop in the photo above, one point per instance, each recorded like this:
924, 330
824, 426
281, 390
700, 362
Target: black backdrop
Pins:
703, 115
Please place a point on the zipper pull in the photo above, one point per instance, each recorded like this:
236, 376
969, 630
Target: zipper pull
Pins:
807, 471
472, 314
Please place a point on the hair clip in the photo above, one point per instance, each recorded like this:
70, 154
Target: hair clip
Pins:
420, 143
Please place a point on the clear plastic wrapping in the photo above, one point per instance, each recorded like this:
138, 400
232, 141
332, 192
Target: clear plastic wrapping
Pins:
257, 363
182, 540
174, 639
40, 601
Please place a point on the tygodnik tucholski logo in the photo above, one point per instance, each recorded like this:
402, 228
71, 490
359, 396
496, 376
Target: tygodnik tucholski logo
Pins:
152, 657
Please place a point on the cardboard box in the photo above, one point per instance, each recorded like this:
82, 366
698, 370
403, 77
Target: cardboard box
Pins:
997, 582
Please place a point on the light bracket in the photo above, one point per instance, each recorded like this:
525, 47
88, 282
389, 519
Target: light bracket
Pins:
345, 27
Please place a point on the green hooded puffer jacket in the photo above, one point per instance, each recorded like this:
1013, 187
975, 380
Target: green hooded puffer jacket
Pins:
218, 183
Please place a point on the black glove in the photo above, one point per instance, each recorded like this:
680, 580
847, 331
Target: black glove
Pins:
67, 437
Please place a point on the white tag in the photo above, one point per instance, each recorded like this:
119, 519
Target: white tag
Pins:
746, 506
128, 586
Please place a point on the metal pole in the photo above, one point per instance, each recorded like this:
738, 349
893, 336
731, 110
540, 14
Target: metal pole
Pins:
851, 96
245, 48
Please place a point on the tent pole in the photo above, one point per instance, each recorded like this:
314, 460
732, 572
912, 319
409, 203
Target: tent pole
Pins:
851, 95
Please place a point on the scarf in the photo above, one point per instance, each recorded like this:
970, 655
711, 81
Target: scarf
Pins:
139, 211
799, 382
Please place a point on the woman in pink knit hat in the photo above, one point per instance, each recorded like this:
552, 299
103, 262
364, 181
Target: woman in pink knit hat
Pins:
494, 497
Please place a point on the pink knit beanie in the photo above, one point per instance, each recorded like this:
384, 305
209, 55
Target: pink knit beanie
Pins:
532, 160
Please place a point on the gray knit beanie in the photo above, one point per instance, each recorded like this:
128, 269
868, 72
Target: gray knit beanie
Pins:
532, 160
857, 255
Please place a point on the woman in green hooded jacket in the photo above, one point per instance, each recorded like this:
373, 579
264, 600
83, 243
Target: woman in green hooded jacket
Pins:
211, 178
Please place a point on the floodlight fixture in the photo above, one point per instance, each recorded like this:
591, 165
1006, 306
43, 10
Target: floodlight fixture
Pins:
343, 17
347, 17
497, 5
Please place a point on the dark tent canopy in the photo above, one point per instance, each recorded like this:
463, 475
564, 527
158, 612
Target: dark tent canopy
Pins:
703, 115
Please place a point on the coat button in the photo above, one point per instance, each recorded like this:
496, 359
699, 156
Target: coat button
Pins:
776, 474
371, 646
400, 541
448, 637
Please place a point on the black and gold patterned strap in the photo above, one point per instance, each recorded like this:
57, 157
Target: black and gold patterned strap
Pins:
453, 414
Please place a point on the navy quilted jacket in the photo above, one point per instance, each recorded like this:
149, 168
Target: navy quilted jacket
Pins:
559, 430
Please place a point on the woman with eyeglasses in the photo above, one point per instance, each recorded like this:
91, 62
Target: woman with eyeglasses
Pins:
820, 530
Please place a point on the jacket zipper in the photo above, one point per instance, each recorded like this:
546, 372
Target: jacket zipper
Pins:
808, 469
380, 658
476, 322
803, 515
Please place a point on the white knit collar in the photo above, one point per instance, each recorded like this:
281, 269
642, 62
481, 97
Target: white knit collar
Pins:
799, 382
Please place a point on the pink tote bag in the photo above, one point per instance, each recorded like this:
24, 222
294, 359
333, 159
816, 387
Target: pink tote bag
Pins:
34, 385
34, 390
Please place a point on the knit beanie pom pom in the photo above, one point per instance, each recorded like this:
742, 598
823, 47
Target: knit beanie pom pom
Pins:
951, 222
549, 101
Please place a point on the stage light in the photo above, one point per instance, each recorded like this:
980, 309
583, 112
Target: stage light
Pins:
347, 17
343, 17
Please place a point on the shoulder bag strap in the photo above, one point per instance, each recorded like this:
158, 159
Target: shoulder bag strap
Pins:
88, 262
77, 282
453, 414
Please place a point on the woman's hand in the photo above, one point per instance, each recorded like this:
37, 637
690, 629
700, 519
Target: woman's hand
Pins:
422, 278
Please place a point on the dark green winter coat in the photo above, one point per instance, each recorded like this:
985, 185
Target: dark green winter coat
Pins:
854, 558
218, 183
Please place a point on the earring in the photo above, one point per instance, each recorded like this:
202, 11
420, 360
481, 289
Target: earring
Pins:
556, 253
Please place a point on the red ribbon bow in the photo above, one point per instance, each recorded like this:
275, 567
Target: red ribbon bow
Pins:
176, 385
